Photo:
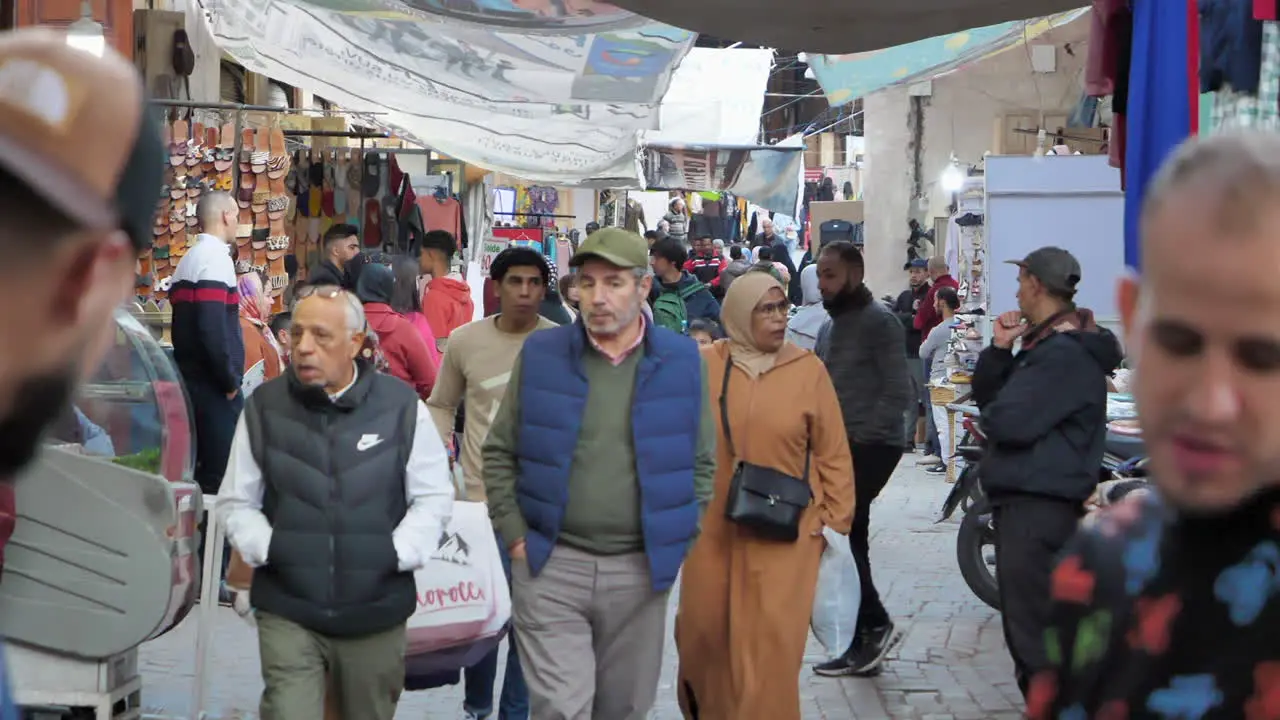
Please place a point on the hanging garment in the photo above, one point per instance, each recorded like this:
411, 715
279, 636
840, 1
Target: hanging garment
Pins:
1234, 110
1266, 10
1231, 51
504, 204
441, 213
1120, 30
1158, 105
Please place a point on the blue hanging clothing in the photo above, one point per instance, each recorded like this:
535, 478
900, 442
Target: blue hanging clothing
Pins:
1159, 106
8, 708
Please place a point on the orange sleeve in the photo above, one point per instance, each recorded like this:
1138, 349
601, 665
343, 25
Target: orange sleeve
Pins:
832, 460
273, 364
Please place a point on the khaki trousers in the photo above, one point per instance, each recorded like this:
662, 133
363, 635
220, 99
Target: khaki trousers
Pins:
590, 630
362, 676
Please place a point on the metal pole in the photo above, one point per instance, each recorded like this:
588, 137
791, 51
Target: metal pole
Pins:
335, 134
253, 108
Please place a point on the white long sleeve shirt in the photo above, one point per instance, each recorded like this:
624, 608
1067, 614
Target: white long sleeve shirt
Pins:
428, 489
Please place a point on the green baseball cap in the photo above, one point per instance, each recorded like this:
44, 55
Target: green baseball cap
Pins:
615, 246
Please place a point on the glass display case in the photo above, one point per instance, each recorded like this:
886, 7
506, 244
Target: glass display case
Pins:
104, 555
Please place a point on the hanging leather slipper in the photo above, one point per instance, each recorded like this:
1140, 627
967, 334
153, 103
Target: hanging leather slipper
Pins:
372, 225
178, 144
195, 149
225, 155
279, 162
247, 148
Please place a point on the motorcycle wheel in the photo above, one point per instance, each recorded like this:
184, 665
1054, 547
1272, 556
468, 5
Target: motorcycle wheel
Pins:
972, 541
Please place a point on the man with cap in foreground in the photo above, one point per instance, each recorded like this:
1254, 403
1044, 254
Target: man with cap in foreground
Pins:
597, 467
78, 211
1044, 412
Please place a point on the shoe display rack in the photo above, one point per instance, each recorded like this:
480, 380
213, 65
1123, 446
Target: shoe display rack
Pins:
201, 159
262, 235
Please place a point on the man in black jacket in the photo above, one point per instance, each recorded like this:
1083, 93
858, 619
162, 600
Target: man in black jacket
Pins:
337, 490
862, 348
1044, 413
905, 309
340, 244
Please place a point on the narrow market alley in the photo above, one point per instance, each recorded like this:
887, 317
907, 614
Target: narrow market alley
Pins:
951, 663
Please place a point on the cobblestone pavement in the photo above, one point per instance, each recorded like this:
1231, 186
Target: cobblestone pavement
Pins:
951, 663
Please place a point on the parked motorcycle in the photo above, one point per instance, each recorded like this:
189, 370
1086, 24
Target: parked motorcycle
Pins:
1122, 469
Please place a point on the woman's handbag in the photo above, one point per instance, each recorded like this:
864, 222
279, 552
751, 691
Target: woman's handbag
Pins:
769, 502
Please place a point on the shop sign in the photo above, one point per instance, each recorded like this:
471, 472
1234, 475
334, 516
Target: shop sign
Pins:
491, 248
768, 176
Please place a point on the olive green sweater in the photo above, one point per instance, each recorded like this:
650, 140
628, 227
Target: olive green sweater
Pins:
603, 515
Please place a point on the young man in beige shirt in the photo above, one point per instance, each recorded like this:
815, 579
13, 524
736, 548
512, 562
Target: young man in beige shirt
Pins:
476, 368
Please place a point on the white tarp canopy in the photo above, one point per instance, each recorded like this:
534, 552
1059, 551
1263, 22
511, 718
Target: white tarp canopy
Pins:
553, 94
839, 26
715, 98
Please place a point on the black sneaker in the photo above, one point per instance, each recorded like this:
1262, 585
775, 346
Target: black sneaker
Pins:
864, 655
939, 469
876, 644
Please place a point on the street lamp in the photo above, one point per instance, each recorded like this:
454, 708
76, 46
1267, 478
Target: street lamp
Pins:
86, 33
952, 179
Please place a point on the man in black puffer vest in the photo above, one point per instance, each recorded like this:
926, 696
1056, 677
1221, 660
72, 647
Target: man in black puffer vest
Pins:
337, 489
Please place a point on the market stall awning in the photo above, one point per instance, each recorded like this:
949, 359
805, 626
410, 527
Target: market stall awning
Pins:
715, 98
839, 26
552, 92
767, 175
848, 77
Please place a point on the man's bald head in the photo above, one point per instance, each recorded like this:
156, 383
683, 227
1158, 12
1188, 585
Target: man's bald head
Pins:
1202, 322
1236, 173
217, 212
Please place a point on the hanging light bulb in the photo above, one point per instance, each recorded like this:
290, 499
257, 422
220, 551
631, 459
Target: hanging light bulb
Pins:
952, 179
86, 33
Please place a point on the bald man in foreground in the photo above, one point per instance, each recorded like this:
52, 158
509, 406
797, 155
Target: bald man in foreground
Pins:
1169, 607
207, 344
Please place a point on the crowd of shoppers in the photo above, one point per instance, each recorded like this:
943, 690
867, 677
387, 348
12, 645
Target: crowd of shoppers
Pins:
614, 436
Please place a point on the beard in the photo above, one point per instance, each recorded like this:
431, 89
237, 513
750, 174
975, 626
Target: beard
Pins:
611, 326
37, 404
842, 300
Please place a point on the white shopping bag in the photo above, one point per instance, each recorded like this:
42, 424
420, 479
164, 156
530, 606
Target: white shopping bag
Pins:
462, 591
835, 605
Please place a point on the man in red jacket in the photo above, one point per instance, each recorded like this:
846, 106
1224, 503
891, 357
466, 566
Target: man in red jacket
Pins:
927, 317
447, 303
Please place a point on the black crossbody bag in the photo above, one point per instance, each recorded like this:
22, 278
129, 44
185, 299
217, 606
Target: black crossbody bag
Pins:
769, 502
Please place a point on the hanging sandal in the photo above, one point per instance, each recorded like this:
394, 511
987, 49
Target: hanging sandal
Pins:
247, 148
211, 142
195, 147
279, 159
178, 144
262, 154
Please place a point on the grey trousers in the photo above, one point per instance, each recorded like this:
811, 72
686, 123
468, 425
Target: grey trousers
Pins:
367, 671
590, 630
911, 417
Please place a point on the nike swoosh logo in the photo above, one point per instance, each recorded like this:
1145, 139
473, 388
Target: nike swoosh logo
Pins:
366, 444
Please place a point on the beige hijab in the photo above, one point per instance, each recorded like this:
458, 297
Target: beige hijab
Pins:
739, 306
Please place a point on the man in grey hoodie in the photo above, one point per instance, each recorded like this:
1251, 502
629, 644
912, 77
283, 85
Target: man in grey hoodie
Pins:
864, 349
737, 266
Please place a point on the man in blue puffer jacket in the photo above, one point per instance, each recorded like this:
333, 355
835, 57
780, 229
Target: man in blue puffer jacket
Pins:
597, 467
